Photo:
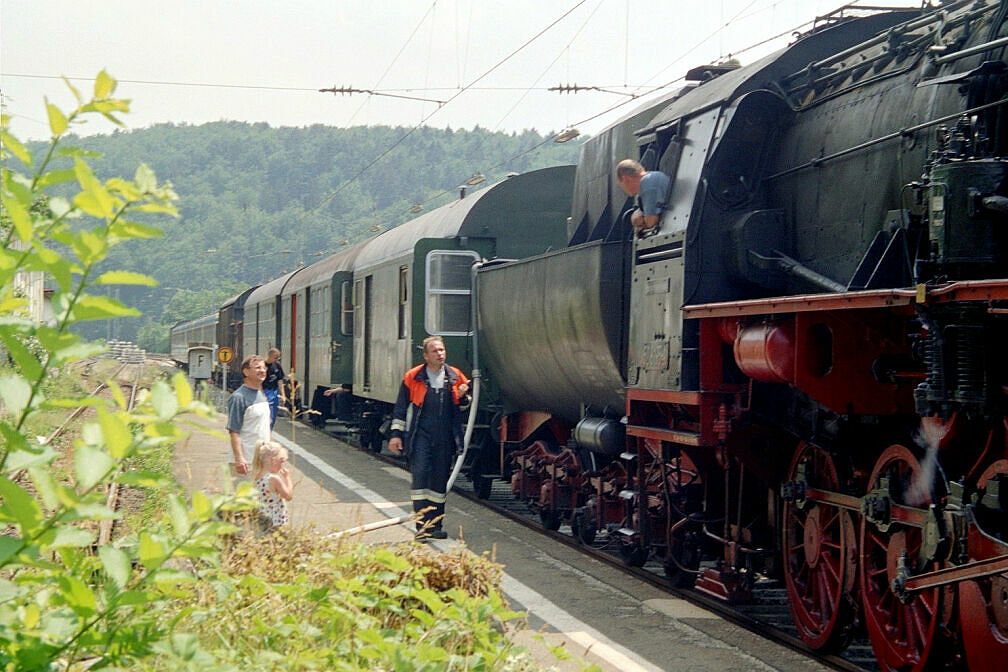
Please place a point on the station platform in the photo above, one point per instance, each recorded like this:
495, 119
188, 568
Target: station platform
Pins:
599, 615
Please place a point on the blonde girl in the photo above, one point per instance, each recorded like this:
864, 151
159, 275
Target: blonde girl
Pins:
273, 481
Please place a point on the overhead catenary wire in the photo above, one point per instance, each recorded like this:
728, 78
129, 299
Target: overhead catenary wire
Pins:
631, 98
412, 130
640, 90
655, 89
395, 58
302, 89
565, 50
430, 54
378, 90
720, 29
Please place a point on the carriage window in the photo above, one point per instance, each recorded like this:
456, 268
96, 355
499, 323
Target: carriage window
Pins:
346, 312
324, 311
403, 302
358, 293
448, 292
317, 312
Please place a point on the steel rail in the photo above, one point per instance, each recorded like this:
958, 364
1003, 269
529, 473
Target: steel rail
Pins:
106, 526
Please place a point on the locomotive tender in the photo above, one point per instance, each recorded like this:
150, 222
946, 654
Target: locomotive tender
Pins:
802, 374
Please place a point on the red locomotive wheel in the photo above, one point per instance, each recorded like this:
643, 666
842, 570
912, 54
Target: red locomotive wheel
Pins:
902, 634
820, 558
983, 605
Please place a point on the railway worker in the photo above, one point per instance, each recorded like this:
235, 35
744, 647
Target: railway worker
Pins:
248, 414
428, 412
273, 386
651, 187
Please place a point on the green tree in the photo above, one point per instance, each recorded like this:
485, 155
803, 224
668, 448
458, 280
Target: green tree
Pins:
58, 600
166, 597
249, 189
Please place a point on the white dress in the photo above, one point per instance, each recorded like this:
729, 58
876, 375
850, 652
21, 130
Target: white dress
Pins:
271, 504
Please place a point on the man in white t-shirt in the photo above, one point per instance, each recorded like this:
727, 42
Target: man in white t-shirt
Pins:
248, 414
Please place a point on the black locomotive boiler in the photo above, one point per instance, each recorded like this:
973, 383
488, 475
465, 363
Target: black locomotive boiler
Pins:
802, 373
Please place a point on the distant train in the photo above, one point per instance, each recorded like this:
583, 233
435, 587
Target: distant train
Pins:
354, 320
800, 375
188, 334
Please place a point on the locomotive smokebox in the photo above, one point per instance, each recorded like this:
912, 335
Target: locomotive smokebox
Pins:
968, 214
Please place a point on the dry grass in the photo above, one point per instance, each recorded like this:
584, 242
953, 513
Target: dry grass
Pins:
289, 552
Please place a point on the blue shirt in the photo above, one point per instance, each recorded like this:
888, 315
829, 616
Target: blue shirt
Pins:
654, 187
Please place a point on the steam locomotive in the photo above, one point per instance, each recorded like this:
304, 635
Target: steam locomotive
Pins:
800, 374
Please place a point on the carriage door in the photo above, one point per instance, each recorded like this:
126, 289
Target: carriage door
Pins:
368, 328
304, 327
293, 332
346, 318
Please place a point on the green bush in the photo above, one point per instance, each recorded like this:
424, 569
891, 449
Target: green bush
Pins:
167, 597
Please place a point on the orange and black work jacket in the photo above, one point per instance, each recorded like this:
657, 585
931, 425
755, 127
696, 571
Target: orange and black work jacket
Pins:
413, 392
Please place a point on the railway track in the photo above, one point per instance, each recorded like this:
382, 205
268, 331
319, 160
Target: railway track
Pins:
129, 390
767, 614
58, 432
106, 527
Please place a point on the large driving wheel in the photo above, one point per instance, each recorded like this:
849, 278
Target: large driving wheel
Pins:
820, 557
903, 634
983, 604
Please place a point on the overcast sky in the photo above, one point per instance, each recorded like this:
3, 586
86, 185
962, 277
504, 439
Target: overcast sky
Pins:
488, 63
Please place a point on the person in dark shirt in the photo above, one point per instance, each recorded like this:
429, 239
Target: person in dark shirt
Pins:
273, 385
428, 414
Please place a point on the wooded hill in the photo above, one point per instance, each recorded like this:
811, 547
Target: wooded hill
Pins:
256, 201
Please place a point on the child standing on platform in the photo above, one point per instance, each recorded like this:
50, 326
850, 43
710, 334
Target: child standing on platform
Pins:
273, 481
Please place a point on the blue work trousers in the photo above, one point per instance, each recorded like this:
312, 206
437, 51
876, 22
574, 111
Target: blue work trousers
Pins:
273, 397
430, 466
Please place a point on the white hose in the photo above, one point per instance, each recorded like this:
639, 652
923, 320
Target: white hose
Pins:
476, 376
469, 430
451, 479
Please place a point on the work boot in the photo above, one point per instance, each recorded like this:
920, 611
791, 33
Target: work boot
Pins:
438, 533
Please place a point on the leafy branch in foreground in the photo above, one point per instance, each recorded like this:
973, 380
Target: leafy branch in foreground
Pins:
28, 245
60, 601
186, 592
